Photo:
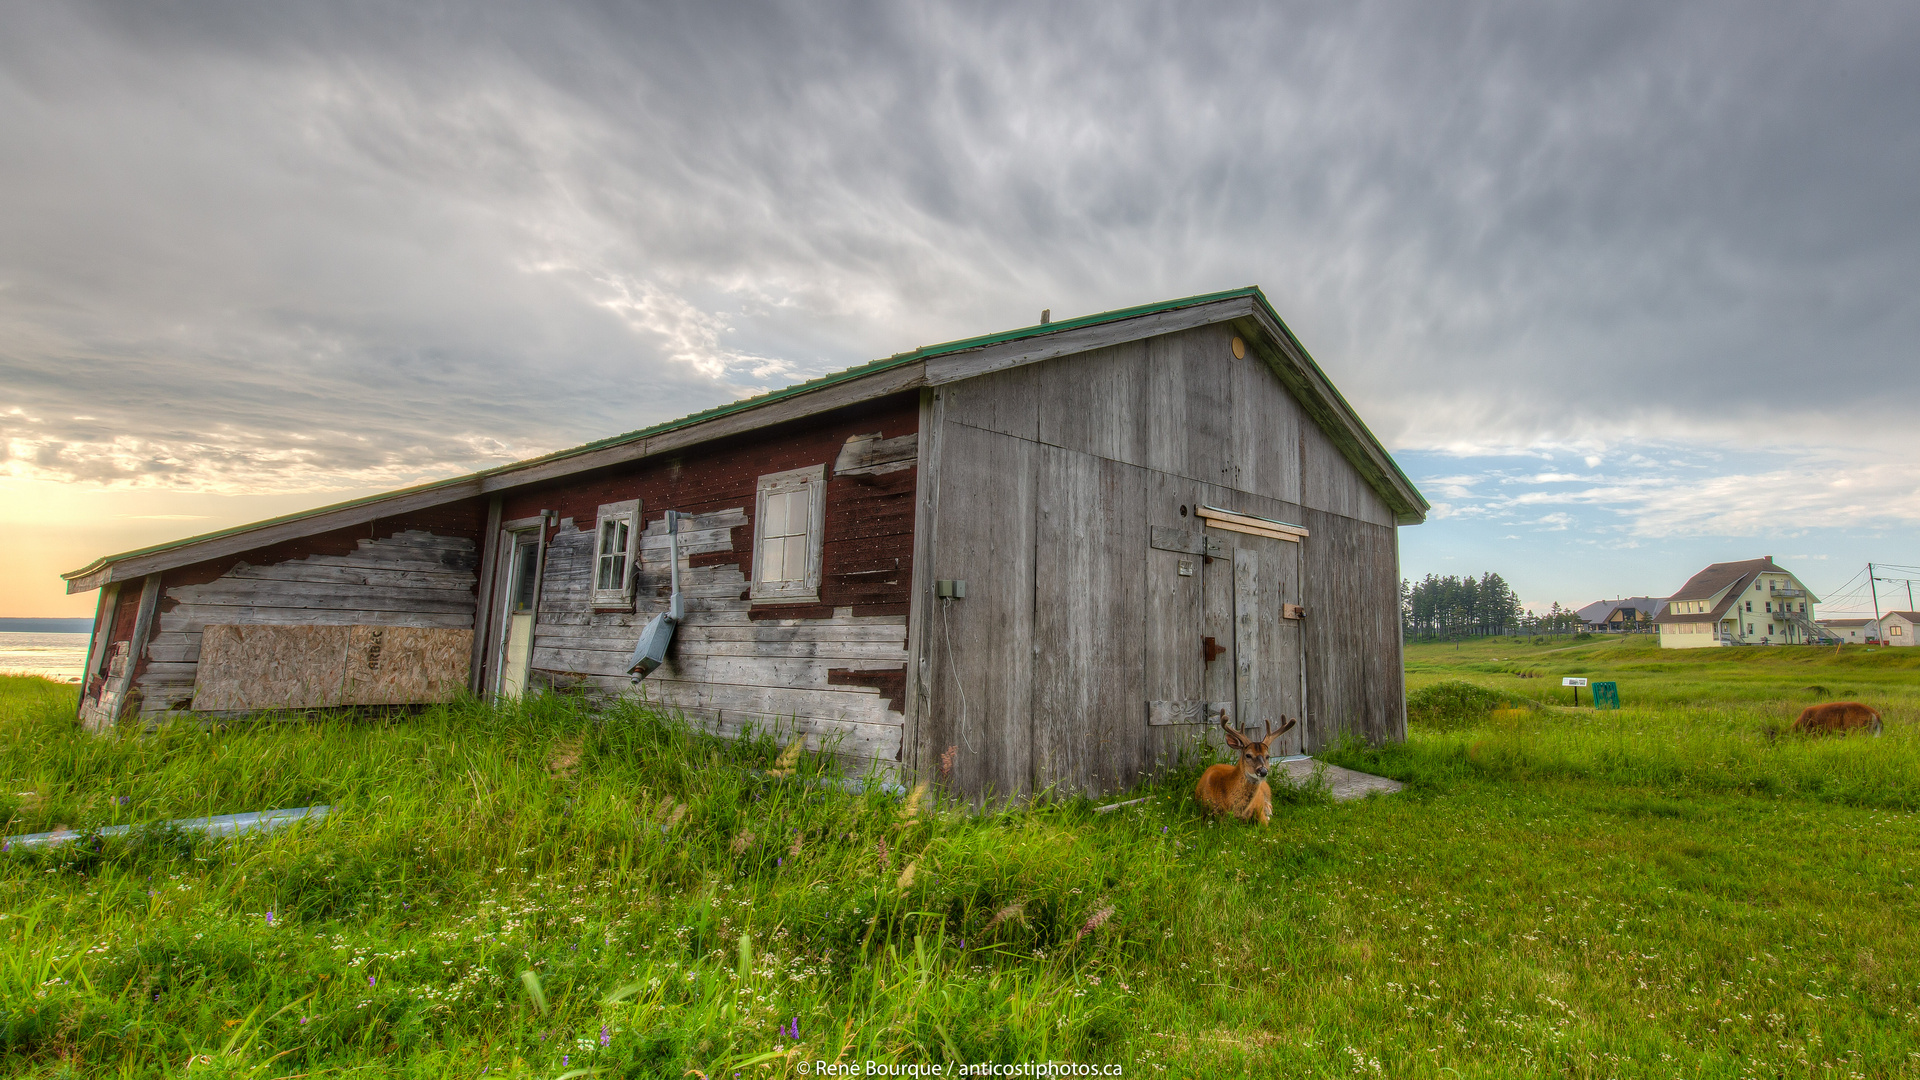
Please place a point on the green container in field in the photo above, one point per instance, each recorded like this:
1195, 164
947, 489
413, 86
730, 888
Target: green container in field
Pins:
1606, 695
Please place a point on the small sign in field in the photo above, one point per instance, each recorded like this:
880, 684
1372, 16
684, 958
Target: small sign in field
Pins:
1576, 682
1606, 695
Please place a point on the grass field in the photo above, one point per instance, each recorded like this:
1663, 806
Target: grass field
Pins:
1675, 889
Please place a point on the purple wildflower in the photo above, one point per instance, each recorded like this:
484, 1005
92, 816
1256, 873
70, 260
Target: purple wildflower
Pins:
369, 980
269, 918
563, 1060
779, 862
606, 1037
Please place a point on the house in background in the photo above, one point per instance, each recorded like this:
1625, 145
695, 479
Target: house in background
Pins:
1851, 631
1755, 602
1633, 614
1045, 558
1898, 627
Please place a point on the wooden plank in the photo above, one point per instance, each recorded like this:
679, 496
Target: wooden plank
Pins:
249, 668
1194, 711
1231, 526
1353, 662
1089, 623
1003, 401
385, 577
1174, 565
855, 628
869, 455
776, 672
955, 367
484, 597
1097, 403
980, 650
1166, 406
324, 596
849, 703
398, 665
1249, 706
192, 618
1265, 422
1208, 404
1257, 526
838, 651
1174, 538
1217, 681
102, 632
150, 590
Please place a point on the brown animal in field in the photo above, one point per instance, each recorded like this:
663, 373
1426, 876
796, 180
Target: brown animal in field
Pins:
1241, 789
1841, 716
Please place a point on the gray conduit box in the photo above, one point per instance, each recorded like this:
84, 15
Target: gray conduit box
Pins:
949, 589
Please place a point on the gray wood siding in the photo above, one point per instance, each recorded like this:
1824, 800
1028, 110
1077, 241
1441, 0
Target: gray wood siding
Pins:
725, 671
1051, 479
980, 650
413, 578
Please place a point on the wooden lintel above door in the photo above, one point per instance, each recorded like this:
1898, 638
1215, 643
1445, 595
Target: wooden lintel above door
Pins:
1217, 518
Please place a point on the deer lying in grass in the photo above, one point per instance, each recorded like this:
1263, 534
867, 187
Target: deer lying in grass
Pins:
1842, 716
1241, 789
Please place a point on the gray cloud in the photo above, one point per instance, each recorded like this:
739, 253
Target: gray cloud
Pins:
282, 248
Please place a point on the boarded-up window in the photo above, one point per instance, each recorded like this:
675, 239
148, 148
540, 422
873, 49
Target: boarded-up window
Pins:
251, 668
615, 546
788, 526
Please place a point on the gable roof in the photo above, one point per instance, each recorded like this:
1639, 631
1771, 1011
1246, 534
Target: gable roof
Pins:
1603, 610
1705, 584
1910, 616
1245, 308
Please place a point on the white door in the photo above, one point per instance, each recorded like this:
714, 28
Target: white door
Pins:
516, 625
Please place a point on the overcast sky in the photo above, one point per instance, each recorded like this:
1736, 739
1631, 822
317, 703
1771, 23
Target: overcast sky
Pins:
1627, 287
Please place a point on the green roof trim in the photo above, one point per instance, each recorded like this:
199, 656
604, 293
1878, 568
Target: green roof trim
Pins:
924, 352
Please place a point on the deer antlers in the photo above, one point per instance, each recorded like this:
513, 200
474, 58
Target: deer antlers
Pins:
1239, 738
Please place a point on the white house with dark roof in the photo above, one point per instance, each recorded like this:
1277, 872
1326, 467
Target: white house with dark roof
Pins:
1631, 613
1851, 631
1899, 627
1755, 602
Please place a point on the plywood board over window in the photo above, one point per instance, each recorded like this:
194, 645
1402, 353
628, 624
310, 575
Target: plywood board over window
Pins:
254, 668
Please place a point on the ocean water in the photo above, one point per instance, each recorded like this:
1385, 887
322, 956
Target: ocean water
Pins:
61, 657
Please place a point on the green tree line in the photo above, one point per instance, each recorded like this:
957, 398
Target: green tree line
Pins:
1456, 607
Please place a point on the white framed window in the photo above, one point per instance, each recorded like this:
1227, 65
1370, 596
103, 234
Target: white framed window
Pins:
789, 522
616, 554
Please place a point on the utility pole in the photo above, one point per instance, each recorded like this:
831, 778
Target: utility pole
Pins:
1871, 584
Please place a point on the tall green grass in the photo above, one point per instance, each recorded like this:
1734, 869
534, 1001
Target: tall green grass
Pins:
539, 888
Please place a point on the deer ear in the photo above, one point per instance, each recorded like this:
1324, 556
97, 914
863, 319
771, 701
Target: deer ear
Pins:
1235, 739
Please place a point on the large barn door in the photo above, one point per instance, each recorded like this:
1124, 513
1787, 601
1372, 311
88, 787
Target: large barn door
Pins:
1268, 664
1220, 640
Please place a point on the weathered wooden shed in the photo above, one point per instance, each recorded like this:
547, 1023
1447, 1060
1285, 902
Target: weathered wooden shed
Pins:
1042, 558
